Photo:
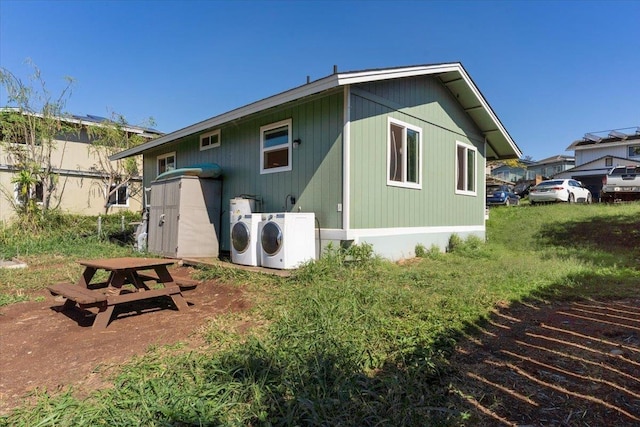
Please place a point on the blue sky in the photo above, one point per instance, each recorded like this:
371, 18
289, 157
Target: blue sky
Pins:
552, 71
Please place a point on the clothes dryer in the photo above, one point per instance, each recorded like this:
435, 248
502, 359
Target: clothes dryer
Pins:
287, 239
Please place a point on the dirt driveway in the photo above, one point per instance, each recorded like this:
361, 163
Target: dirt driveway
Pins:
43, 348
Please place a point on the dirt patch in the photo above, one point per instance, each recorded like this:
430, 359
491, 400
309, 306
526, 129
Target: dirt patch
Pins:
43, 348
574, 364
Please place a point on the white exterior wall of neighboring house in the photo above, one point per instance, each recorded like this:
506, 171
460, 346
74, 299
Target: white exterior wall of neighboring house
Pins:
590, 153
81, 190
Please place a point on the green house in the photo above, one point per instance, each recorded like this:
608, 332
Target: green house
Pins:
392, 157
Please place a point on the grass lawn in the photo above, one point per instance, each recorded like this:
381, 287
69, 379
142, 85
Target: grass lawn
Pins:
349, 339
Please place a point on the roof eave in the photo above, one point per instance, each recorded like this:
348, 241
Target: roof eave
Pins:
498, 139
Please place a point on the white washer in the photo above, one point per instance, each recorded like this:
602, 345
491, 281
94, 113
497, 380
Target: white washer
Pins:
245, 248
287, 239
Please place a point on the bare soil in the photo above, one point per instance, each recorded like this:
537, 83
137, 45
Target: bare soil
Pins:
569, 364
43, 348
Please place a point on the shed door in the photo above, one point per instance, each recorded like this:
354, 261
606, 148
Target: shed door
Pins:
164, 217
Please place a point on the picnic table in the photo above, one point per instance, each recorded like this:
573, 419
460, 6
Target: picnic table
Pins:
107, 294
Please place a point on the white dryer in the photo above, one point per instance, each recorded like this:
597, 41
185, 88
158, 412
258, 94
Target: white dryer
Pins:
287, 239
245, 248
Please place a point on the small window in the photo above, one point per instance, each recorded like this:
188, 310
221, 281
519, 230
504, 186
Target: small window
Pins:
275, 147
120, 197
166, 162
608, 161
210, 140
36, 193
465, 169
404, 155
634, 151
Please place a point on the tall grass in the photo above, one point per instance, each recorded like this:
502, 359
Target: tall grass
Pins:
355, 340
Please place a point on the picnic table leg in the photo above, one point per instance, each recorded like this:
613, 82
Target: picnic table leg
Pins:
68, 305
87, 275
103, 317
179, 301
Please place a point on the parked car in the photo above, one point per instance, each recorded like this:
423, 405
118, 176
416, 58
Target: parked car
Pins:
501, 195
522, 188
559, 190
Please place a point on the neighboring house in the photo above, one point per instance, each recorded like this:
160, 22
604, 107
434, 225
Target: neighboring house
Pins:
551, 166
596, 153
80, 187
391, 157
513, 174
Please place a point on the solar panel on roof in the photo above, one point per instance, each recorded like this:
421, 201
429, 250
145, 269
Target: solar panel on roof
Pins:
592, 137
616, 134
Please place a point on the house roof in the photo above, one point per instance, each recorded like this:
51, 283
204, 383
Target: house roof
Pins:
616, 136
89, 120
560, 158
453, 76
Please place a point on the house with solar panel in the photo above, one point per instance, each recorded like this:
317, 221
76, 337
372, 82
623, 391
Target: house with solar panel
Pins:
596, 153
392, 157
80, 182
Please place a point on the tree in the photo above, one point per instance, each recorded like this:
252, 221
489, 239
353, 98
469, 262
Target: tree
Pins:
110, 137
29, 125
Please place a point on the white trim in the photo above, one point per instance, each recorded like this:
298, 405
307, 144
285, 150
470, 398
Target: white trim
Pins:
346, 160
475, 150
119, 205
166, 156
404, 183
209, 135
359, 233
264, 150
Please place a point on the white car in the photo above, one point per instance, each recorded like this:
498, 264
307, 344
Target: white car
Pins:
559, 190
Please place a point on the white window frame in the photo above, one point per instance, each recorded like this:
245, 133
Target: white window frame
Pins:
165, 156
120, 205
34, 191
466, 191
288, 145
209, 135
404, 183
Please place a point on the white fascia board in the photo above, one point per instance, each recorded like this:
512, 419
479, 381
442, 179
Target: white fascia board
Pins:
395, 73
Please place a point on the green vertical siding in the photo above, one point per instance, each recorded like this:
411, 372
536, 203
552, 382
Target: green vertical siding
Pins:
316, 176
426, 103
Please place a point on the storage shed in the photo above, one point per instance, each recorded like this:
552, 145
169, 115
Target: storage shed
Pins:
184, 215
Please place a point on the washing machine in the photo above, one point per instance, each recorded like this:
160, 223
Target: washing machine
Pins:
287, 239
245, 249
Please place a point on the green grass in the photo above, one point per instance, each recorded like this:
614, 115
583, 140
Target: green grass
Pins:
354, 340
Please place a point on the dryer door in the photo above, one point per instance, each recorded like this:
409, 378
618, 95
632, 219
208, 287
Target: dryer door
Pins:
240, 237
271, 238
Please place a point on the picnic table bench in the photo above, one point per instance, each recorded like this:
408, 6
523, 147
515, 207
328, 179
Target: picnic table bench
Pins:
106, 295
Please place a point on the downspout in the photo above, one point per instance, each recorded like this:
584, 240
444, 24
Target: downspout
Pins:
346, 162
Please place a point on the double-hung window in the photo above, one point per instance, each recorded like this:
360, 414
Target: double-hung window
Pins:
210, 140
275, 147
466, 159
404, 155
166, 162
634, 151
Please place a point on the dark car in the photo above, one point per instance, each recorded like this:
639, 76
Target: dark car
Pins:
522, 189
501, 195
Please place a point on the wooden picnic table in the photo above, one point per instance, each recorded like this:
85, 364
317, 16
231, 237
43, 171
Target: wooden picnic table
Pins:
105, 295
